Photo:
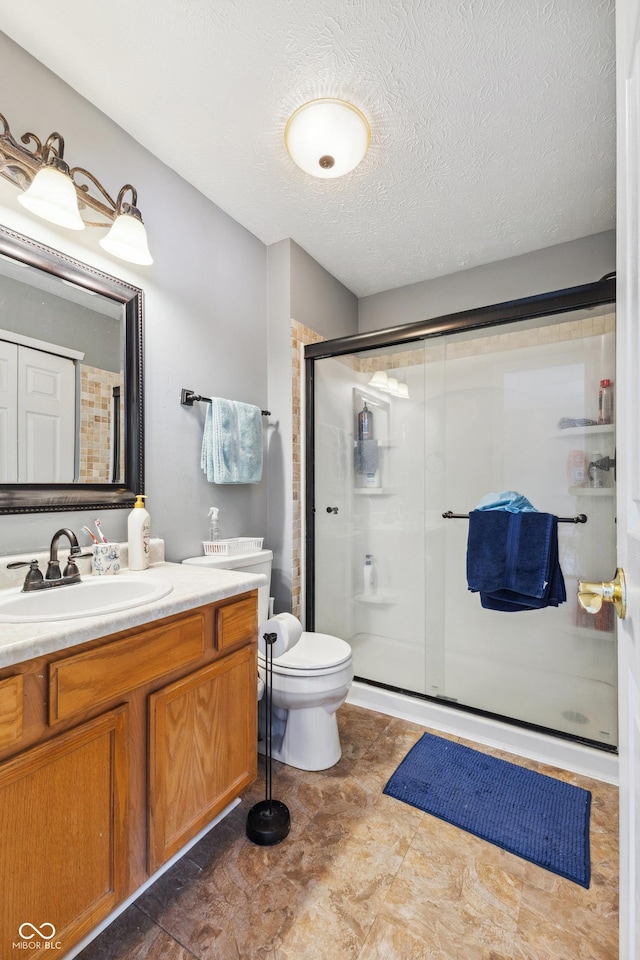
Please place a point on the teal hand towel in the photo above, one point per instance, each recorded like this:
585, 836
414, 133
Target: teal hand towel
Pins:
232, 442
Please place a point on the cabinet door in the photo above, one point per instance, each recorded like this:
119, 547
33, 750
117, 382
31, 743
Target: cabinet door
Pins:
63, 846
203, 749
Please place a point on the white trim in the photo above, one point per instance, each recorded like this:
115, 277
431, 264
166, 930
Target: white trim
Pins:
555, 751
35, 344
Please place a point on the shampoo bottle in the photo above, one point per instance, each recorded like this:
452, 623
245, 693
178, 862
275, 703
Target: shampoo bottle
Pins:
365, 424
139, 531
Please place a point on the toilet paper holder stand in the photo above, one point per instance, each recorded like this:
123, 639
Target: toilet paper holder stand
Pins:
269, 820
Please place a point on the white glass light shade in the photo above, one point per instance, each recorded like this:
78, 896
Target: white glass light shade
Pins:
127, 240
379, 380
327, 138
52, 196
392, 386
403, 391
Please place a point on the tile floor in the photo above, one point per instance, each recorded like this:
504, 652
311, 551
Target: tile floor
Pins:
365, 877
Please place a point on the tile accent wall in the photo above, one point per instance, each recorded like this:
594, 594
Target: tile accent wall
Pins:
96, 407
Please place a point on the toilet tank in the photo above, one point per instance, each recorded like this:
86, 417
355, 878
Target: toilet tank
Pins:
258, 561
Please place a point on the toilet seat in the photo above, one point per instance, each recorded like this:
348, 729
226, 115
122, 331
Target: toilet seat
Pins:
313, 653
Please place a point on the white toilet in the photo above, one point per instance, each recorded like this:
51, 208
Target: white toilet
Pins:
310, 681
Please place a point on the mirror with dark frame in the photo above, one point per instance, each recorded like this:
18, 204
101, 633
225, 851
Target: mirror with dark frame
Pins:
71, 378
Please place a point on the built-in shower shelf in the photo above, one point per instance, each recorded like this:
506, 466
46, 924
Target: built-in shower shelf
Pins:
371, 491
591, 491
380, 597
597, 429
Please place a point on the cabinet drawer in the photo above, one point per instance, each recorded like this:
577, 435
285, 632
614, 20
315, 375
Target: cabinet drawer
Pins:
10, 710
88, 679
236, 623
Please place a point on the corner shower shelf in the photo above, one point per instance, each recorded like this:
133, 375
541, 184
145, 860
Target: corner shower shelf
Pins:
370, 491
380, 597
598, 428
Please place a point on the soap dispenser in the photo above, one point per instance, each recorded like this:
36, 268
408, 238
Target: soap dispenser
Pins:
139, 531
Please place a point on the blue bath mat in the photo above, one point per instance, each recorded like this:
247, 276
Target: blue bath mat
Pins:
539, 818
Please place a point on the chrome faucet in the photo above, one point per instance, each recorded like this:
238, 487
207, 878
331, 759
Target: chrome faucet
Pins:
54, 578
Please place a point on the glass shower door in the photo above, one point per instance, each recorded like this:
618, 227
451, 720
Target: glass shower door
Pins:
455, 418
370, 561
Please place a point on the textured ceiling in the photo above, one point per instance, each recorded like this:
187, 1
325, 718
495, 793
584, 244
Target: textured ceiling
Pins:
493, 124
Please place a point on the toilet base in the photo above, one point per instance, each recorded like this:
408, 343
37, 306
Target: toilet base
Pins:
310, 740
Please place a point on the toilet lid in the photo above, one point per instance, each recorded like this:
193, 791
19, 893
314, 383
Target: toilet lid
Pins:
313, 651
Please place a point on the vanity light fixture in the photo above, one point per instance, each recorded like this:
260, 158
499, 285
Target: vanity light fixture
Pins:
52, 194
327, 138
52, 191
386, 384
379, 380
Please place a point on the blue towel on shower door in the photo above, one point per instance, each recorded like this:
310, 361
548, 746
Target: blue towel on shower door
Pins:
512, 560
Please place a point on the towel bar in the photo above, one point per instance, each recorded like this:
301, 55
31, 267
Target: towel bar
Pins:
187, 398
581, 518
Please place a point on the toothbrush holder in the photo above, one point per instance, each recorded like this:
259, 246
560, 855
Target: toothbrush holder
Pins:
106, 559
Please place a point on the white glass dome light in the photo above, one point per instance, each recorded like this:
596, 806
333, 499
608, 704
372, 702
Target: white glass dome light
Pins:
52, 196
327, 138
127, 240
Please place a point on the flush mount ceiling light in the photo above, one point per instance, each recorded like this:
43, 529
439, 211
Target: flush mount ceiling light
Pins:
52, 192
327, 138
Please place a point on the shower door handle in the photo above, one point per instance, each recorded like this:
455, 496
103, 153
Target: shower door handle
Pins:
332, 509
591, 596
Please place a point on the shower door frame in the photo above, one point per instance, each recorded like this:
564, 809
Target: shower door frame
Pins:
595, 294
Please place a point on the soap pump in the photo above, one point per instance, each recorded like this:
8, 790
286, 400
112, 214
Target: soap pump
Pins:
139, 531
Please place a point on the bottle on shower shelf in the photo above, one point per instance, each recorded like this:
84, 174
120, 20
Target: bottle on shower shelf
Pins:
605, 402
365, 423
369, 585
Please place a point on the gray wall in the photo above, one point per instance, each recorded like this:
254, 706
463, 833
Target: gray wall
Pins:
554, 268
299, 289
205, 312
318, 300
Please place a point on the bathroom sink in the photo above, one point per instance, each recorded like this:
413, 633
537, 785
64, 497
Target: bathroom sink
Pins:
93, 597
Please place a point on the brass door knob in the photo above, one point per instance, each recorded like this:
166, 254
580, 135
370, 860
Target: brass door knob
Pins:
591, 596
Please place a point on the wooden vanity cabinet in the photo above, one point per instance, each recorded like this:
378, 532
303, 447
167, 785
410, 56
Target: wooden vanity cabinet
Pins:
113, 755
202, 750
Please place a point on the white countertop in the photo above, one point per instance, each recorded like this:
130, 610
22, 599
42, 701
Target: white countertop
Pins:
192, 587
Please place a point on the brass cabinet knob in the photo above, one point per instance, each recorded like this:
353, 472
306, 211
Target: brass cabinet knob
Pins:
591, 596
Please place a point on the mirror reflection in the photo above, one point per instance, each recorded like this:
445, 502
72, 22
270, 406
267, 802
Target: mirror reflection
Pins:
62, 380
70, 382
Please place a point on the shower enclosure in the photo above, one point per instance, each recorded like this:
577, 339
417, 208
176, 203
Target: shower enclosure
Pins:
408, 425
